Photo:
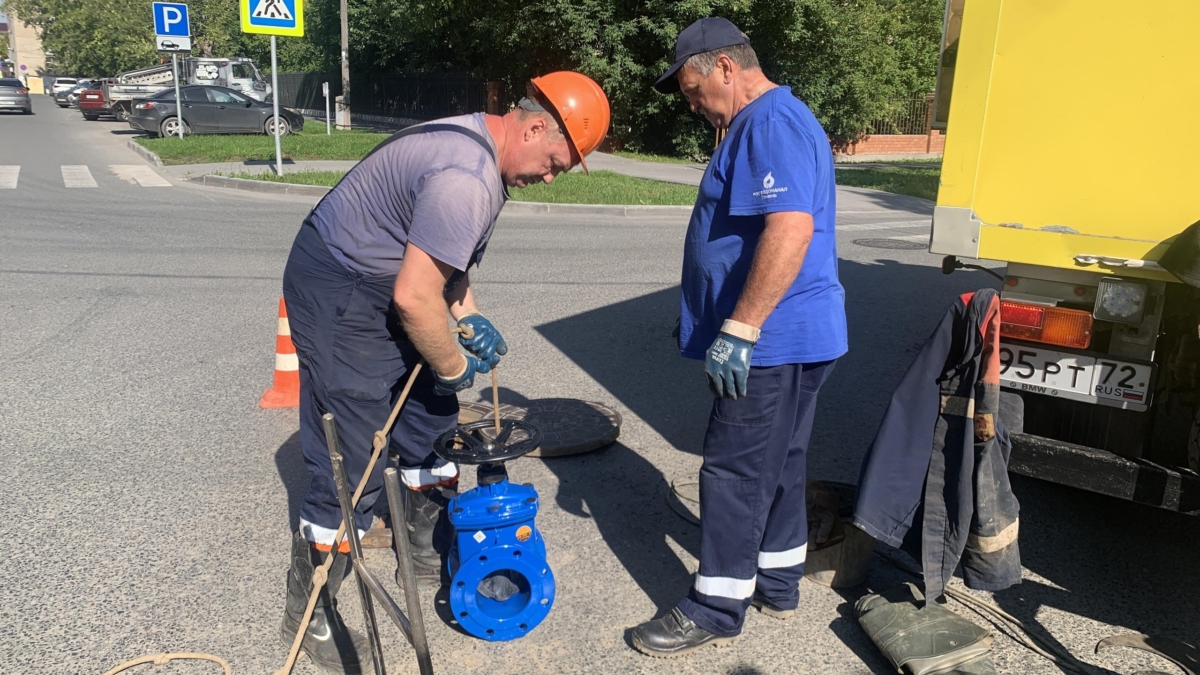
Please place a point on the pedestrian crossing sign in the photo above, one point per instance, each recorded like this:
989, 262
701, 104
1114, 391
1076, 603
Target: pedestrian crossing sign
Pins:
273, 17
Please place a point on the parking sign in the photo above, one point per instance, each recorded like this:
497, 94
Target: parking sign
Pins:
273, 17
171, 20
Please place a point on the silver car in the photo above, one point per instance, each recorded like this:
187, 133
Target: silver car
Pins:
15, 96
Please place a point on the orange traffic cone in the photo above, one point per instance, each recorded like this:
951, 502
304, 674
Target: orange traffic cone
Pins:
285, 393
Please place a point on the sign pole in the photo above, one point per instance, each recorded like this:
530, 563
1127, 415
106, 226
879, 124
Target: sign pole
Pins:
178, 108
344, 106
275, 106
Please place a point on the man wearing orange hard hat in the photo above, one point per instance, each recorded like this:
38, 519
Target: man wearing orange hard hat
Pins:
374, 271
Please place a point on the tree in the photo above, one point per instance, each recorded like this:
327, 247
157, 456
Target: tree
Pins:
846, 58
103, 37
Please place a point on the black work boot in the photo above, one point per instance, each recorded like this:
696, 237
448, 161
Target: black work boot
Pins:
331, 645
768, 608
429, 533
674, 635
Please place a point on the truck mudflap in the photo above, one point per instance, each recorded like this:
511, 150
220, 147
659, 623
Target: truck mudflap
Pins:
1100, 471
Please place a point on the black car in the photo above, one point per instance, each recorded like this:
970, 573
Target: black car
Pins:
209, 110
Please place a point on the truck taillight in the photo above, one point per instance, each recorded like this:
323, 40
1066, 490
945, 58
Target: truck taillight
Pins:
1050, 325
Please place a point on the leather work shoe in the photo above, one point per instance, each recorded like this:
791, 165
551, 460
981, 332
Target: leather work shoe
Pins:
674, 635
331, 645
767, 608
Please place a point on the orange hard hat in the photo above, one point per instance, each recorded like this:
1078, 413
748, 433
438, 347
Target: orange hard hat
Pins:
581, 106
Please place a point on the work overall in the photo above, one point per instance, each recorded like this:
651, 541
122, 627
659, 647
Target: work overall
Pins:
354, 360
754, 523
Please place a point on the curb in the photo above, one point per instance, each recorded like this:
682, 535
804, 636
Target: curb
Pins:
512, 207
544, 208
261, 186
149, 156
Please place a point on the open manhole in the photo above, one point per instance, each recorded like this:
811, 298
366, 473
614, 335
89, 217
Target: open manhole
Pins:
894, 244
569, 426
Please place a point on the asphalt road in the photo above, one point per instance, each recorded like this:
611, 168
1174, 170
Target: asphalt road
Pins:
148, 502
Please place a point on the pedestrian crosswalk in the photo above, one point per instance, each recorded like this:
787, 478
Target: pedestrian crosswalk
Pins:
77, 176
139, 174
8, 177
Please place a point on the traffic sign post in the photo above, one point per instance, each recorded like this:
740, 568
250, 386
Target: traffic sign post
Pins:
274, 17
173, 33
325, 91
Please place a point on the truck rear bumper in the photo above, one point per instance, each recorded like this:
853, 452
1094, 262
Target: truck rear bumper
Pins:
1104, 472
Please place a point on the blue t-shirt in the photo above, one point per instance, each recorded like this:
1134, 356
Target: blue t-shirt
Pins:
775, 157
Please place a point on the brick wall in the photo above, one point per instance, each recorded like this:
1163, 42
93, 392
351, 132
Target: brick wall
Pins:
935, 142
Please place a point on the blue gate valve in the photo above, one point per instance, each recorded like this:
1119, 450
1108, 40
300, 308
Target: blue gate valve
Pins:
501, 586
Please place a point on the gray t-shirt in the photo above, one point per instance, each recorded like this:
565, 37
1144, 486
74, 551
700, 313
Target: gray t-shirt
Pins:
441, 190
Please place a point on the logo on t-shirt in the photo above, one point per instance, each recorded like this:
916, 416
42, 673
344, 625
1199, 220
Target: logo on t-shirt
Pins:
769, 190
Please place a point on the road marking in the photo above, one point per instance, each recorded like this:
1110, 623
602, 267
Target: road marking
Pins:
139, 174
8, 177
77, 176
891, 225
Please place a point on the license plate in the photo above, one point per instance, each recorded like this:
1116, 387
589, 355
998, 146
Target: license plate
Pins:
1074, 376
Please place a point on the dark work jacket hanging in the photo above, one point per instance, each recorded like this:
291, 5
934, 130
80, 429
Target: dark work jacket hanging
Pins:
935, 481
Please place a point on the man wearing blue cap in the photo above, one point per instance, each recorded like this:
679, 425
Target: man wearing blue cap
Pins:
762, 306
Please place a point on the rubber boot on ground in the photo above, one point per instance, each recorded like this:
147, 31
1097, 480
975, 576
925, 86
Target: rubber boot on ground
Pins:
329, 643
429, 533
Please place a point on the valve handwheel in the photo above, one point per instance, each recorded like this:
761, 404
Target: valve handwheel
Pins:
478, 442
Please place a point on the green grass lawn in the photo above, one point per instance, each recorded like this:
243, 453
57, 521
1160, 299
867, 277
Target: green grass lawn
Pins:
601, 187
324, 178
309, 144
921, 183
606, 187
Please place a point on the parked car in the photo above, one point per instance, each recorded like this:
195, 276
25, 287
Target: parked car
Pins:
14, 96
73, 95
62, 84
209, 110
92, 102
62, 98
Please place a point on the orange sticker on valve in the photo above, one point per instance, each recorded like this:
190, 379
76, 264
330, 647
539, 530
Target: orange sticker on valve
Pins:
524, 532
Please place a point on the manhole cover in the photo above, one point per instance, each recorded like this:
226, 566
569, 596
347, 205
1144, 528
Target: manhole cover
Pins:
894, 244
569, 426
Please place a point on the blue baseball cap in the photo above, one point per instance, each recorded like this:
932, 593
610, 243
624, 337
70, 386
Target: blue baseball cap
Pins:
702, 36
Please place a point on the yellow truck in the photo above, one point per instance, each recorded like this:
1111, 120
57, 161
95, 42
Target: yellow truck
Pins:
1073, 155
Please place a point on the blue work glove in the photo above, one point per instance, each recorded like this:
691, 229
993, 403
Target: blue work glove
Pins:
485, 341
443, 386
727, 364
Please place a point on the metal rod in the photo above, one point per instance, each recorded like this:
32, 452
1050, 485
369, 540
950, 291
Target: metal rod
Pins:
412, 598
343, 489
275, 107
496, 399
389, 605
178, 107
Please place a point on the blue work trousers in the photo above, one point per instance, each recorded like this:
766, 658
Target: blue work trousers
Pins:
354, 361
753, 519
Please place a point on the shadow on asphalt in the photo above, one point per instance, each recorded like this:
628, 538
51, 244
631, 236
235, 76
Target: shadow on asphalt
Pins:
126, 132
295, 476
1107, 559
627, 497
894, 202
